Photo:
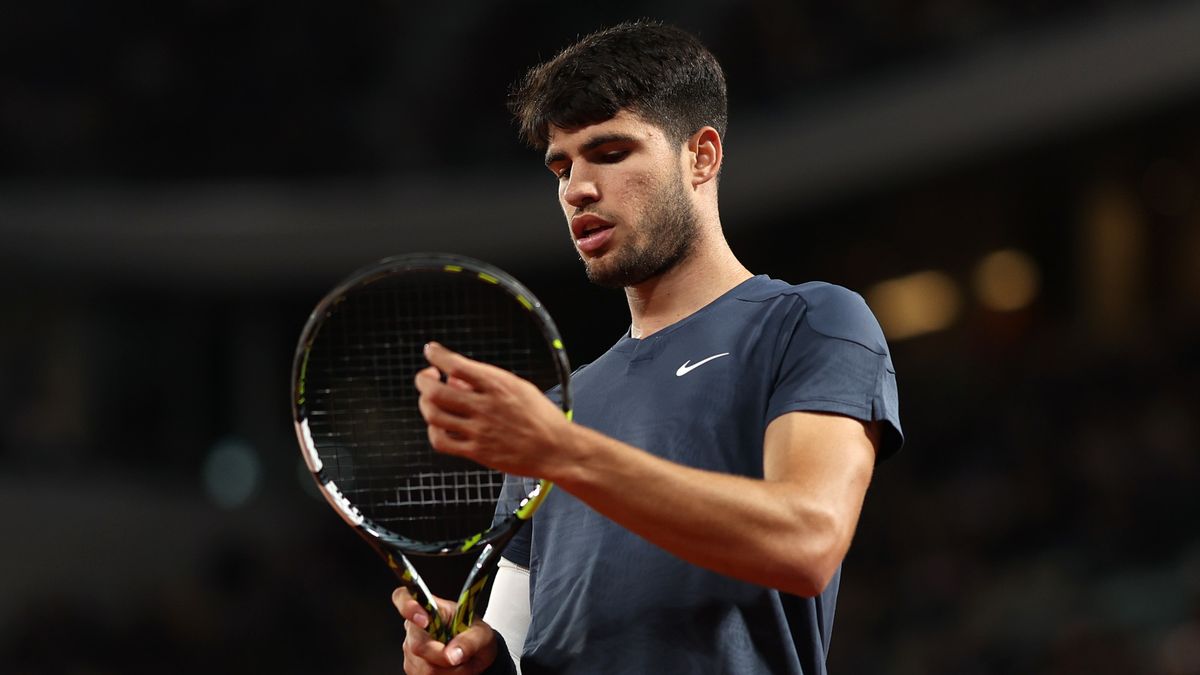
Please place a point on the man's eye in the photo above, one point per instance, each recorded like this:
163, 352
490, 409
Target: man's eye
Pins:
563, 173
614, 156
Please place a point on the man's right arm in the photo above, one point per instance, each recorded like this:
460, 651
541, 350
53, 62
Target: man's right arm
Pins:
508, 608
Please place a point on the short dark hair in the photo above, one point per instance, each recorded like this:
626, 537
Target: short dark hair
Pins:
659, 72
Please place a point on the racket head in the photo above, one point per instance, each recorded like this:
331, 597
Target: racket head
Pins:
354, 400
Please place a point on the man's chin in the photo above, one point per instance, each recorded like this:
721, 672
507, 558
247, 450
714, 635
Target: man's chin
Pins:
607, 276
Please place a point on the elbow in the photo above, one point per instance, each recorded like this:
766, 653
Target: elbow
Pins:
816, 561
812, 581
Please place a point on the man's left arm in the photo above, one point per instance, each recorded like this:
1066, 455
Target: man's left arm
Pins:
789, 530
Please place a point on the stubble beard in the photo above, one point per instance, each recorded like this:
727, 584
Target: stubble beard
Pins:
667, 230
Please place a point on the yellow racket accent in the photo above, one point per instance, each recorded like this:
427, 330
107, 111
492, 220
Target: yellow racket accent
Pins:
471, 541
466, 603
303, 375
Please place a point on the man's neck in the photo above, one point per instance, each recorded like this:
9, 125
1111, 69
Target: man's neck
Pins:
709, 272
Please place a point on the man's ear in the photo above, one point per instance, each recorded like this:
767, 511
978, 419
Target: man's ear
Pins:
706, 154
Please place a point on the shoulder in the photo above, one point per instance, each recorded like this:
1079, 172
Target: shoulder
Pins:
842, 314
827, 309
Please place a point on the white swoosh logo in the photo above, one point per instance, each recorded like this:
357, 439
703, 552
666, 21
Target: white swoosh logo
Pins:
685, 368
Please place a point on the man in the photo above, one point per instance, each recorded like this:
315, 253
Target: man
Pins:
711, 483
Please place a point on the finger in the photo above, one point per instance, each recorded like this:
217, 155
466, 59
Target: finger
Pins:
428, 380
429, 373
429, 650
409, 608
433, 373
415, 644
474, 643
454, 400
451, 442
454, 395
432, 651
456, 424
474, 647
460, 384
455, 365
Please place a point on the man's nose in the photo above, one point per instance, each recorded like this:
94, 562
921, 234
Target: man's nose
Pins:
581, 189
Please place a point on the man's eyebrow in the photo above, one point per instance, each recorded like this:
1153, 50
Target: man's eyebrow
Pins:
592, 144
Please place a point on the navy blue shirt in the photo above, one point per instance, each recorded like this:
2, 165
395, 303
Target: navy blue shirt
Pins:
700, 392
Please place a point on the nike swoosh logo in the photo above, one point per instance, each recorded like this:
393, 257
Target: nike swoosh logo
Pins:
685, 368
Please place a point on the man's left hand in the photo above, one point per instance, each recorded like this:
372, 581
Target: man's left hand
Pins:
489, 415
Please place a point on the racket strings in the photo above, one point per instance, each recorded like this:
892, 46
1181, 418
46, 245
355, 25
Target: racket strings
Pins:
363, 402
459, 487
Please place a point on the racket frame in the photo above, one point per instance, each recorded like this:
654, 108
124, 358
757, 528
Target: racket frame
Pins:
395, 548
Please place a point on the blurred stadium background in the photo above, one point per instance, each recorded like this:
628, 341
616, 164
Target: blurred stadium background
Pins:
1013, 186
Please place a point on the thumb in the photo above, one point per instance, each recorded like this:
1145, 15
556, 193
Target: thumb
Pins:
477, 643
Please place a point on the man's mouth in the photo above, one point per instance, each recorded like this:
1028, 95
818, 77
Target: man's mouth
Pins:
587, 223
590, 231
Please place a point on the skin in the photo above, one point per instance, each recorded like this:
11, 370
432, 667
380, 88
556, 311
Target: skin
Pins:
788, 531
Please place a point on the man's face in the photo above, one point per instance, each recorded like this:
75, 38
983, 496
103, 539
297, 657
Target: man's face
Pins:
621, 187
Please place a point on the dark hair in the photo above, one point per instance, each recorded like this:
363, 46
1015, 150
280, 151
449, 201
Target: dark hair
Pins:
662, 73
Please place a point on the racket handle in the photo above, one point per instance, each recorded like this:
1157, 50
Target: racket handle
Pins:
404, 569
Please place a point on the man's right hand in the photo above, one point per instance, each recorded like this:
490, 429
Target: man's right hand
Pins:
469, 653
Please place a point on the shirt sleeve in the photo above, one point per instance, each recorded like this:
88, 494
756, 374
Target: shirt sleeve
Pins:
836, 360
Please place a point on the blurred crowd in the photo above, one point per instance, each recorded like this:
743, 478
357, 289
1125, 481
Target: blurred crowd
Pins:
207, 88
1049, 530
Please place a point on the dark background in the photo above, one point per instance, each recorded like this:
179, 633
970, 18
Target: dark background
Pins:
180, 183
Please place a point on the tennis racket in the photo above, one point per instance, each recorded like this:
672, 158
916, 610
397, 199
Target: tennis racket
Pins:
355, 408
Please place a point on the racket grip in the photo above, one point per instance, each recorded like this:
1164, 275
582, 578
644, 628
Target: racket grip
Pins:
404, 569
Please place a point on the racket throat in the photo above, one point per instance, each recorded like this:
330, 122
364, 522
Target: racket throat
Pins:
420, 591
464, 613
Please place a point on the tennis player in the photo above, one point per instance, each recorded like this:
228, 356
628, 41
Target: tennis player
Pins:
711, 483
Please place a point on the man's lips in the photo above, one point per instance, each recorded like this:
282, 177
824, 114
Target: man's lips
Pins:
585, 223
590, 232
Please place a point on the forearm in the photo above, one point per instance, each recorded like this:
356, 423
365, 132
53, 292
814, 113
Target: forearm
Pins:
777, 533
